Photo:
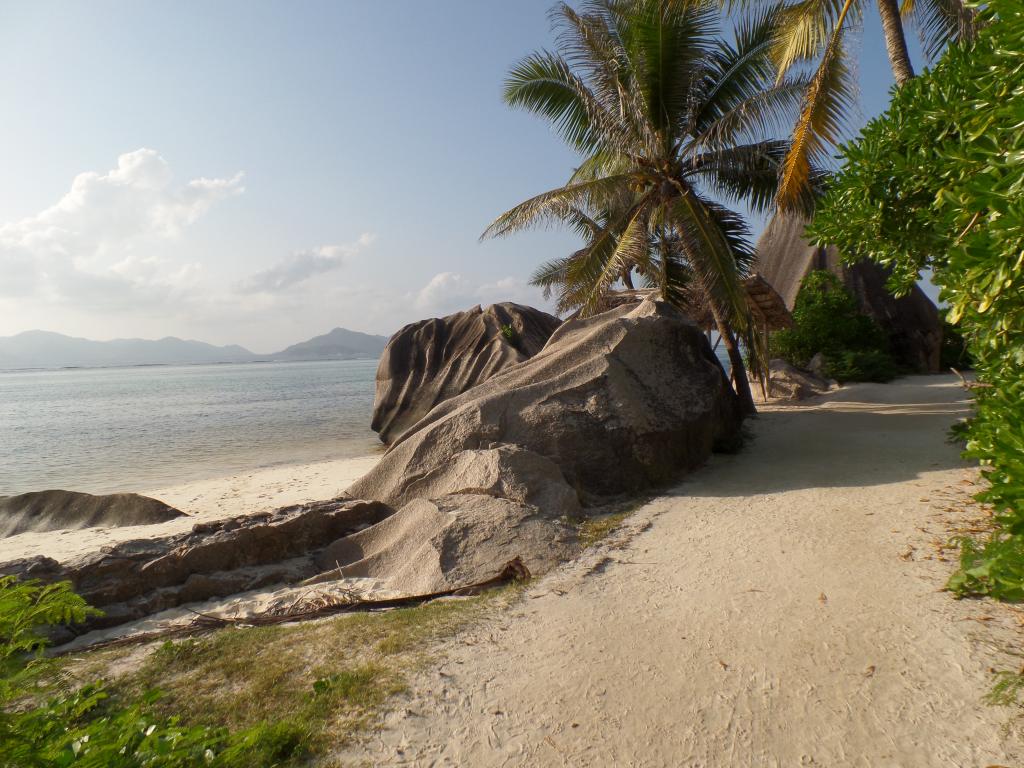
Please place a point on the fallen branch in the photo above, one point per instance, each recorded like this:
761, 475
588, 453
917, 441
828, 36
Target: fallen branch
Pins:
969, 385
514, 570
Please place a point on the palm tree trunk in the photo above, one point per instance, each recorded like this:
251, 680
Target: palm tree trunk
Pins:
739, 370
895, 41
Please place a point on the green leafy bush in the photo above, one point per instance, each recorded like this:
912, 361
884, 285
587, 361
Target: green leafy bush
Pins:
82, 727
861, 365
938, 181
75, 727
826, 320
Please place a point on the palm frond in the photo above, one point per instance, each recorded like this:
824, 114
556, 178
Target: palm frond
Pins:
590, 42
805, 28
749, 174
939, 23
601, 164
668, 45
550, 207
550, 274
829, 98
754, 116
735, 71
709, 240
632, 246
544, 83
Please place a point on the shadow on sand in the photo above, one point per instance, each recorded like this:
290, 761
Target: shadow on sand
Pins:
864, 435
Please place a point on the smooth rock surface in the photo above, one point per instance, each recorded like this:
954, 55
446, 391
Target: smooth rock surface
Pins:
57, 510
787, 382
459, 539
622, 401
144, 576
507, 471
432, 360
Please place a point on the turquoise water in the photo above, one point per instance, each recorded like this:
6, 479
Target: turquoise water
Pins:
121, 429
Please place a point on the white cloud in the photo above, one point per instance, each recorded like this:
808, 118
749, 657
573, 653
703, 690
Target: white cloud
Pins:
118, 254
96, 246
448, 292
302, 265
443, 290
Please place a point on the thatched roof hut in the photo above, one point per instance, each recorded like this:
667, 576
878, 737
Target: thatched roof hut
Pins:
785, 257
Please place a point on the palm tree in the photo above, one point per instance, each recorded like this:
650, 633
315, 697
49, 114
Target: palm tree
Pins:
813, 32
670, 119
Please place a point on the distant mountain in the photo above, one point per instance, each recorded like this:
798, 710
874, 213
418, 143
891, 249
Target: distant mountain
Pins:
339, 344
43, 349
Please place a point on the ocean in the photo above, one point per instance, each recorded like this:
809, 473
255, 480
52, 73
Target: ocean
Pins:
106, 430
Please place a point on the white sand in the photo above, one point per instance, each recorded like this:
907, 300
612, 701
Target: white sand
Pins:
203, 501
781, 608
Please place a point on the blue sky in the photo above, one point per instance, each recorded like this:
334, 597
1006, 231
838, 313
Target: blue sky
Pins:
257, 172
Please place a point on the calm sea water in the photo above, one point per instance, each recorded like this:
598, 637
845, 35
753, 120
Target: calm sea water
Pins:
104, 430
119, 429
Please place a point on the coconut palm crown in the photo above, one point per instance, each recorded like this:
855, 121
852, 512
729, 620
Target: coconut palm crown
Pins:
674, 122
813, 34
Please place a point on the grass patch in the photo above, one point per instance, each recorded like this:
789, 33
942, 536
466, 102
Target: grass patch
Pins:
594, 529
1008, 689
288, 692
603, 521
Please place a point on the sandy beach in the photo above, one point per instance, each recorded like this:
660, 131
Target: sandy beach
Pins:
203, 501
781, 607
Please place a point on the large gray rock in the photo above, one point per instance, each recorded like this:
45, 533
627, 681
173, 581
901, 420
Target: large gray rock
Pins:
56, 510
787, 382
432, 360
136, 578
621, 401
459, 539
508, 472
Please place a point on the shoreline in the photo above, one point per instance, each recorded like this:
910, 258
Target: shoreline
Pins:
242, 493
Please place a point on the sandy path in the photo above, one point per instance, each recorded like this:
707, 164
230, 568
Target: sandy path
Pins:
769, 612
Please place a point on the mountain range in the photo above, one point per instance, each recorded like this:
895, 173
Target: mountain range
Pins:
44, 349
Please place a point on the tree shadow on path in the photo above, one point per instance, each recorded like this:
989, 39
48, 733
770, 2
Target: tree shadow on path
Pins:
862, 435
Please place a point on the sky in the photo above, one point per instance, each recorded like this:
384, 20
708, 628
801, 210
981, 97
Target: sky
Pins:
260, 172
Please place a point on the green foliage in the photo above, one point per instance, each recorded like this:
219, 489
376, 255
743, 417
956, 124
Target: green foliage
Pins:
74, 727
826, 320
510, 334
995, 567
83, 727
861, 365
25, 610
938, 181
1008, 689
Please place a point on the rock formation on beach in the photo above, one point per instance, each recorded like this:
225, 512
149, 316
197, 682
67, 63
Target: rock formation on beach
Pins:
143, 576
612, 404
619, 402
55, 510
433, 360
785, 257
787, 382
